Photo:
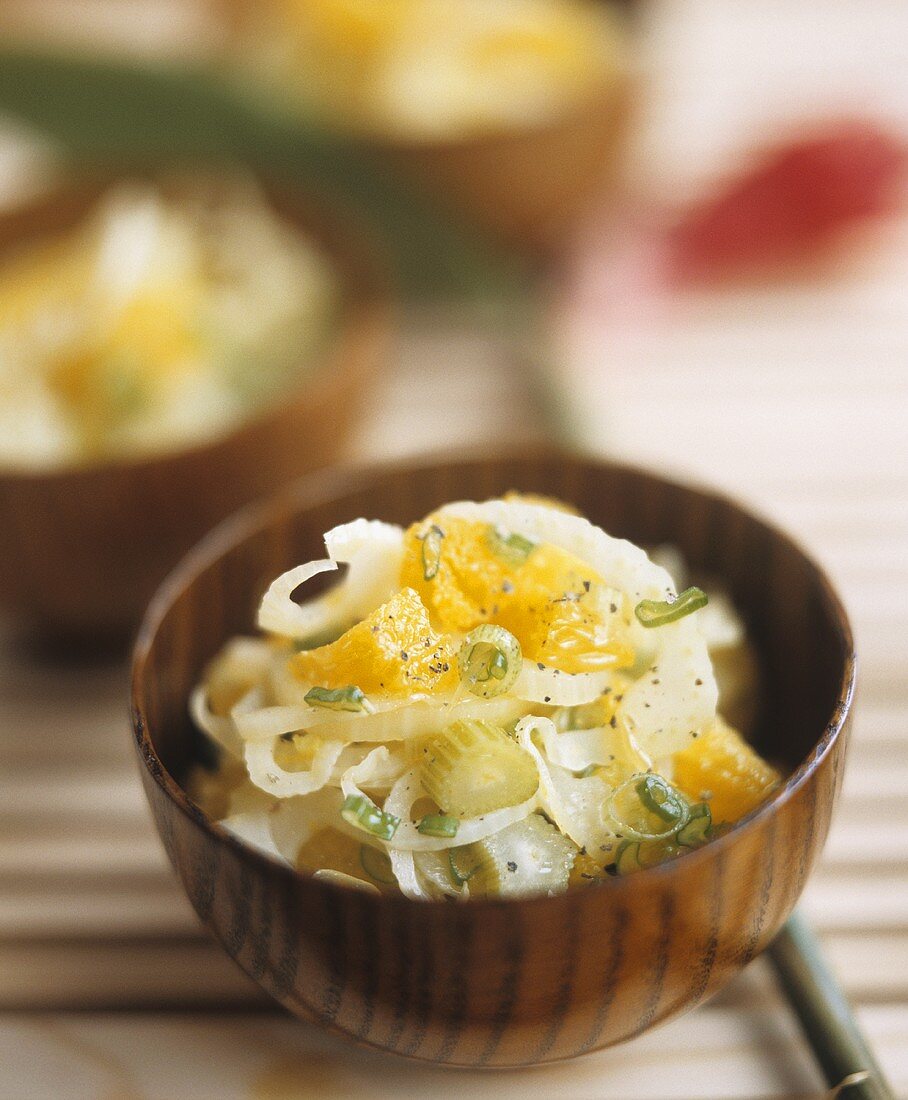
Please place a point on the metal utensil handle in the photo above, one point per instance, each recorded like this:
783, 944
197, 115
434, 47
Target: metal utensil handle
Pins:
825, 1015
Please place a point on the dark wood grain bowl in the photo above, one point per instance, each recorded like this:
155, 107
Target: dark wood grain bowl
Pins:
83, 547
506, 983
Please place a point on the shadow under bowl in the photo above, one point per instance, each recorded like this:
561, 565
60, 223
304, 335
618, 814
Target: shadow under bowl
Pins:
83, 547
506, 983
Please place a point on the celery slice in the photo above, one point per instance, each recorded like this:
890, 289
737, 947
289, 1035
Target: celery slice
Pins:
529, 857
474, 768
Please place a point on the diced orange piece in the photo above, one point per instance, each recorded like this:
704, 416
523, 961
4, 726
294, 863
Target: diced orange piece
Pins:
394, 651
547, 601
586, 870
722, 769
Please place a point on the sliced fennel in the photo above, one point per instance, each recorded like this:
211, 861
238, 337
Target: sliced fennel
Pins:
266, 773
340, 878
537, 683
254, 829
373, 552
391, 720
664, 705
222, 731
574, 804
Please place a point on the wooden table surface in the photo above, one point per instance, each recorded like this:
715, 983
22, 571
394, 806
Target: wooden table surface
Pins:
794, 398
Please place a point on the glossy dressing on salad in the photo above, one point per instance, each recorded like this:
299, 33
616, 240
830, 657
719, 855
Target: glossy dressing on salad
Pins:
500, 700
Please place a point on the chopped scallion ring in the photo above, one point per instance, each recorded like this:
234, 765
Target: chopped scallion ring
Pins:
627, 858
348, 698
489, 660
459, 860
659, 612
361, 813
698, 829
631, 809
376, 864
431, 552
662, 799
512, 548
442, 825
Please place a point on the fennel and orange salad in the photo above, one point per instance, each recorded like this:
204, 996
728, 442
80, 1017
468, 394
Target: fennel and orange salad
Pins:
499, 701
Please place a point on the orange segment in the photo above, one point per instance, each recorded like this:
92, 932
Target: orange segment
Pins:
586, 870
554, 612
469, 583
394, 651
721, 768
549, 601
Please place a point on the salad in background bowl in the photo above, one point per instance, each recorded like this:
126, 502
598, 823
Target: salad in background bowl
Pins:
170, 313
173, 345
512, 112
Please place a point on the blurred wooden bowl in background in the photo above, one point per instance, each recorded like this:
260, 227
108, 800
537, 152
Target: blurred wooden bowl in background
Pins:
527, 183
83, 547
528, 188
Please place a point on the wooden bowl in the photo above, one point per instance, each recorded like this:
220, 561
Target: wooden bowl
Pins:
82, 548
530, 187
506, 983
527, 186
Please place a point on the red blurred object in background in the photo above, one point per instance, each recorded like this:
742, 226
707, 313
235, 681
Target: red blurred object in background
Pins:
791, 204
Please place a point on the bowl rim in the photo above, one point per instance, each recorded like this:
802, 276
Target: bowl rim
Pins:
321, 488
352, 249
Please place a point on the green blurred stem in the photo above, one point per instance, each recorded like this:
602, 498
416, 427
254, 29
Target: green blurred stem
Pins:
825, 1015
101, 109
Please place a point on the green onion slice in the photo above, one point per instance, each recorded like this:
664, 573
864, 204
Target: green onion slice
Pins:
431, 552
361, 813
463, 863
376, 864
348, 698
631, 809
512, 548
660, 612
663, 800
489, 660
438, 825
698, 829
627, 858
